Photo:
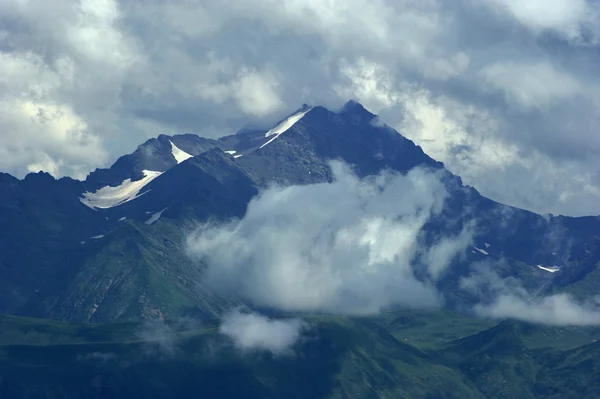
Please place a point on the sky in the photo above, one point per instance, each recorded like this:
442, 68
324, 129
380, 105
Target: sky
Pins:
505, 92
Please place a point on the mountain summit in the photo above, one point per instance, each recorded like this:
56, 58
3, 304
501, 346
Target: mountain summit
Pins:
155, 155
109, 248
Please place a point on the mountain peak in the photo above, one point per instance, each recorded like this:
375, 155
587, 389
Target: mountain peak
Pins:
156, 155
354, 107
40, 175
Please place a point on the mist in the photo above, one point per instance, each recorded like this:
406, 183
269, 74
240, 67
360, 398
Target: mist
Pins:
507, 298
255, 332
346, 247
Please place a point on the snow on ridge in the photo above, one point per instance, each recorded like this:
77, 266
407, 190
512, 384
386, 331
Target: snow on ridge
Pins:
238, 155
178, 153
551, 269
109, 197
483, 251
230, 152
284, 126
155, 217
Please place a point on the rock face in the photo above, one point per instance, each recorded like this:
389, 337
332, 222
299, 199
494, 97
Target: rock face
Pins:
62, 257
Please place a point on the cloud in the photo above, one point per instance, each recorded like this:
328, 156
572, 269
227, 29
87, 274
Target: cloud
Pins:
252, 331
559, 309
479, 145
532, 85
501, 77
254, 92
485, 283
570, 18
40, 133
439, 256
159, 337
506, 298
350, 246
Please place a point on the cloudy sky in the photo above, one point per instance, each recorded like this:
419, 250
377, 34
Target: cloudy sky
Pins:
505, 92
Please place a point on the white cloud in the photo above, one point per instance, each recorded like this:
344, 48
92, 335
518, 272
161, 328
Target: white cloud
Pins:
348, 246
255, 93
252, 331
158, 337
39, 104
477, 145
532, 85
503, 79
567, 17
370, 82
38, 132
440, 255
506, 298
559, 309
95, 34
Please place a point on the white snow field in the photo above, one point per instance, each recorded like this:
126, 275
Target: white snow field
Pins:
109, 197
178, 153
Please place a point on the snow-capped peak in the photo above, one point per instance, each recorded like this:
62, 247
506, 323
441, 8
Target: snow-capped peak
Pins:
109, 197
284, 126
178, 153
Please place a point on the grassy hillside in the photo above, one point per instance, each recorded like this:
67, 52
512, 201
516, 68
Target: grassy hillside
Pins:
401, 354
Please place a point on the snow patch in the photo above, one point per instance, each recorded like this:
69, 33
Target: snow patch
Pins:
97, 237
483, 251
237, 156
551, 269
486, 245
109, 197
284, 126
123, 218
178, 153
230, 152
155, 217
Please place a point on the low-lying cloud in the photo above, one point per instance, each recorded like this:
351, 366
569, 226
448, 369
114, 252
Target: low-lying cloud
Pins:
357, 246
506, 298
252, 331
349, 246
559, 309
158, 336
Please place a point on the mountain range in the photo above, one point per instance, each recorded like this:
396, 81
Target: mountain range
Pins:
110, 249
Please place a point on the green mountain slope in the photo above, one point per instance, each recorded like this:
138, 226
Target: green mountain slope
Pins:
135, 272
339, 357
514, 360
